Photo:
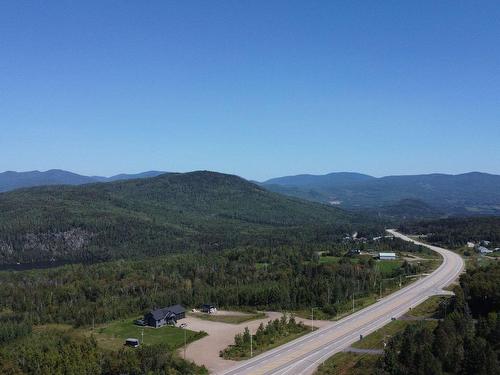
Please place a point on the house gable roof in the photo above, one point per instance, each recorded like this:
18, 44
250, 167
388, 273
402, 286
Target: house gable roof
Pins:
167, 312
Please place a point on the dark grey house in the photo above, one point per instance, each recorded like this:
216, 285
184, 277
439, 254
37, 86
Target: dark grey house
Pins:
167, 315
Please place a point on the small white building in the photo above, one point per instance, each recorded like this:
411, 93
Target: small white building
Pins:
470, 245
387, 256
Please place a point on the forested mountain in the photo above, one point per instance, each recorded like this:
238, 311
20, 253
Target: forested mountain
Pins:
14, 180
463, 194
154, 216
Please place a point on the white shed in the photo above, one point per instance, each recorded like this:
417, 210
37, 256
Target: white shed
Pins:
387, 256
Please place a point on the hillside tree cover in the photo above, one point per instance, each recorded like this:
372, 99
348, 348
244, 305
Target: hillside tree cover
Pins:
171, 213
466, 342
262, 278
56, 353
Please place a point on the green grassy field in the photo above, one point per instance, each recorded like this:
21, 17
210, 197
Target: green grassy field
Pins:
231, 319
388, 267
262, 265
112, 336
329, 259
428, 308
348, 364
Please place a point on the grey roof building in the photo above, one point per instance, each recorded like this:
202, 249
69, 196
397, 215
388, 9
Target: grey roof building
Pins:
168, 315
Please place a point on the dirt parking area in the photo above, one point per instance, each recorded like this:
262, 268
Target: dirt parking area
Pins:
206, 350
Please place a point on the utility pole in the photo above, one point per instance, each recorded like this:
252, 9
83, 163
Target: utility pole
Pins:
184, 344
312, 318
142, 336
353, 301
380, 288
251, 345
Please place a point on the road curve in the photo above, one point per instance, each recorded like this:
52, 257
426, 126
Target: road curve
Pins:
303, 355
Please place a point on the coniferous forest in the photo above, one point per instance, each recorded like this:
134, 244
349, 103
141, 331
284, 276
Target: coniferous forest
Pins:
466, 341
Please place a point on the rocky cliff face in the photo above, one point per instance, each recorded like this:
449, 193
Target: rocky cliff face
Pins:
50, 245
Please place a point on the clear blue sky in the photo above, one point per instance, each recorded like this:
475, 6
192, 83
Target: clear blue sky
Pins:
255, 88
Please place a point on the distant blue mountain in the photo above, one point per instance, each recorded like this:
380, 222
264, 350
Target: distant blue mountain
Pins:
327, 180
125, 176
463, 194
11, 180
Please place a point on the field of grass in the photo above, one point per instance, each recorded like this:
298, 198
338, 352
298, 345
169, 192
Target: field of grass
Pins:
328, 259
428, 308
262, 265
112, 336
231, 319
376, 339
388, 267
348, 364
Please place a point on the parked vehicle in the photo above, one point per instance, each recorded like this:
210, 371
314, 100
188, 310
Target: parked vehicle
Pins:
134, 343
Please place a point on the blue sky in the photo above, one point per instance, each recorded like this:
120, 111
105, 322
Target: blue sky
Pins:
256, 88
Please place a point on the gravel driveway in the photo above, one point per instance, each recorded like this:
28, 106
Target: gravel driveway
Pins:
206, 350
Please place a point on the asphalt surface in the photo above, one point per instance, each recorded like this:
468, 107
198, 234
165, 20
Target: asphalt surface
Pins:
305, 354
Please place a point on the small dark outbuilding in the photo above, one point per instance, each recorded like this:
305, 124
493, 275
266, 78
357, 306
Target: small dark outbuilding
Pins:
167, 315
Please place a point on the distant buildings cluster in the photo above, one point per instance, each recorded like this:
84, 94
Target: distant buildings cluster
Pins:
482, 247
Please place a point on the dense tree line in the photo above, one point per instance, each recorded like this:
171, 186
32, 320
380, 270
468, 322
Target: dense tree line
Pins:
13, 327
56, 353
466, 342
456, 232
264, 278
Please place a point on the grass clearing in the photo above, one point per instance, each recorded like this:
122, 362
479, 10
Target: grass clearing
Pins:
376, 339
348, 364
428, 308
329, 259
262, 265
112, 336
389, 267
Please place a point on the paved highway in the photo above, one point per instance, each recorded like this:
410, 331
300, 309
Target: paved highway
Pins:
304, 355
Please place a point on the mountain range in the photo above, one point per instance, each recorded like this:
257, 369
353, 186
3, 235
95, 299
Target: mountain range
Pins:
409, 196
11, 180
462, 194
173, 212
